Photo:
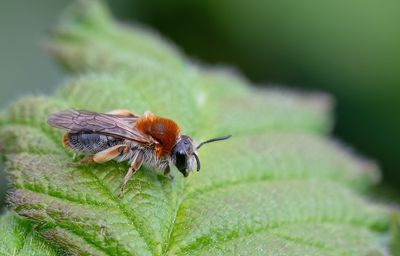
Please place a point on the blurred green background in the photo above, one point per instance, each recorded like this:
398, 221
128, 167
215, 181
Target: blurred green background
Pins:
350, 49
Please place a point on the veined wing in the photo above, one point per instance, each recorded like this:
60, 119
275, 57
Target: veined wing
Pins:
109, 124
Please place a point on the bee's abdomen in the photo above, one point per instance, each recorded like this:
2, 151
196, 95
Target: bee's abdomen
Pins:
91, 143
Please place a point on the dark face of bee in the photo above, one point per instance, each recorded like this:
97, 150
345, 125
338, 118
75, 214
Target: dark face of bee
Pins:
182, 155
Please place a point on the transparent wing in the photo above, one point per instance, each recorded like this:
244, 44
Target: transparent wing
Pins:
86, 121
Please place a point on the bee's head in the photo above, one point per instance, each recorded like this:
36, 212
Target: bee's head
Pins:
184, 153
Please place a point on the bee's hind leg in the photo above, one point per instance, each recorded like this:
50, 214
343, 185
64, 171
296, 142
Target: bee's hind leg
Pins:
110, 153
87, 160
135, 165
105, 155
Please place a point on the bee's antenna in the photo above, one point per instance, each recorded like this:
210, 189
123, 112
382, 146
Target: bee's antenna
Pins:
212, 140
197, 161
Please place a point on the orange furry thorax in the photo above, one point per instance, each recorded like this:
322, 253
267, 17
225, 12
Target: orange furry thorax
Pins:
164, 130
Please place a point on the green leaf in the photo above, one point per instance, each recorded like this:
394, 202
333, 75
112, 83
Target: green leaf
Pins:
17, 239
395, 242
87, 39
280, 186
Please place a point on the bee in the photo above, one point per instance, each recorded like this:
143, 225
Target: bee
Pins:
153, 141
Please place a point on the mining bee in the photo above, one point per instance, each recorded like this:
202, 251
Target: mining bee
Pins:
120, 135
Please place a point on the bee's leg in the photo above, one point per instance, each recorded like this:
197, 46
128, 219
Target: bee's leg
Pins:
167, 170
87, 160
121, 112
106, 155
65, 140
167, 173
135, 165
110, 153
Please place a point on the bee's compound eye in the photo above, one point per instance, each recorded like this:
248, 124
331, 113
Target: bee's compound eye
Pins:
180, 160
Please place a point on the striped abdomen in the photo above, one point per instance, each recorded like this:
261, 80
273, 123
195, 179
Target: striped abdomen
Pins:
90, 143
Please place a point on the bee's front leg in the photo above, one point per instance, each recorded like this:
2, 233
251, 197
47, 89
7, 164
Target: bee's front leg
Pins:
167, 170
167, 173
